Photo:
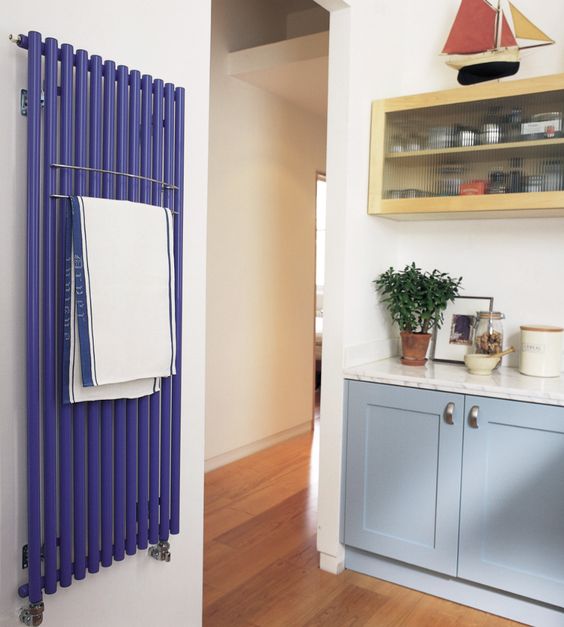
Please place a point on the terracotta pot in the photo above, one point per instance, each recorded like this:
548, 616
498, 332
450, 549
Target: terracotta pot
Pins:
414, 348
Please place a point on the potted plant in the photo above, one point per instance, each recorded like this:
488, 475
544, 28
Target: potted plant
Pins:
416, 300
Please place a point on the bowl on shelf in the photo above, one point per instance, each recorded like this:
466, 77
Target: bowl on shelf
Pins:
481, 364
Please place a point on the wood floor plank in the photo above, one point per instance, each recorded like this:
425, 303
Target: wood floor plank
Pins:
275, 491
211, 594
300, 508
261, 565
222, 520
430, 611
284, 467
242, 603
309, 589
236, 566
400, 601
353, 606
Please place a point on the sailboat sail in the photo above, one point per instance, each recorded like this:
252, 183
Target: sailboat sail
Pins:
525, 29
507, 39
473, 29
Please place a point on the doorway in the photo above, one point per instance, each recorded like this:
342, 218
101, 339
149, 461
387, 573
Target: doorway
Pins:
269, 68
320, 228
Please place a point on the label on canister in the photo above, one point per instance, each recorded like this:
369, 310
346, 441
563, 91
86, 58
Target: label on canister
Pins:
536, 128
541, 351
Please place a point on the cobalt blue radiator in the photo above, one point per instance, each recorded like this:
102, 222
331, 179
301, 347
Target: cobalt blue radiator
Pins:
103, 477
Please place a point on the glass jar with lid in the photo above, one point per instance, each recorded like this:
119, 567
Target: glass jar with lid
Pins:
515, 177
488, 333
450, 179
497, 183
553, 175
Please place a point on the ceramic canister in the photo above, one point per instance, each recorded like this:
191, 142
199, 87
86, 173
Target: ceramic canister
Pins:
541, 351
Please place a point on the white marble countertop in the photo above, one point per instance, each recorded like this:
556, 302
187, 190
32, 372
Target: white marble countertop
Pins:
506, 383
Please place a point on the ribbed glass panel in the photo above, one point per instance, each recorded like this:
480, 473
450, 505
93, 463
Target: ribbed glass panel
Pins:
504, 145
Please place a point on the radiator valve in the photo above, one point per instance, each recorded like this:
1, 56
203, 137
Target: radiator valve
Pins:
160, 552
32, 614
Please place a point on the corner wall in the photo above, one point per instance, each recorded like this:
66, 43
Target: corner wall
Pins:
384, 50
264, 154
170, 41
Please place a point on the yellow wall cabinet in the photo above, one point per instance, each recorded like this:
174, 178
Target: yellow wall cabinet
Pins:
488, 151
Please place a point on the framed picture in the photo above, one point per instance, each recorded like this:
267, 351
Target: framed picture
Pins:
454, 339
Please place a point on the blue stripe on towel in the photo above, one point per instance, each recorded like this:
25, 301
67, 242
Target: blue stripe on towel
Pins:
89, 298
81, 301
67, 308
169, 287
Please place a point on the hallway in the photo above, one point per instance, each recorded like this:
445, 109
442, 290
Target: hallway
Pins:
261, 564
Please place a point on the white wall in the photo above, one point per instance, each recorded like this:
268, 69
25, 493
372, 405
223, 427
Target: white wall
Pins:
171, 41
390, 49
518, 262
264, 154
307, 22
246, 23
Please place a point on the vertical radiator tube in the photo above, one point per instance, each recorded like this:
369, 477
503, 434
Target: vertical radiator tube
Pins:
107, 413
119, 406
143, 404
32, 318
106, 464
79, 410
49, 316
177, 379
94, 188
65, 448
154, 409
119, 479
164, 521
131, 404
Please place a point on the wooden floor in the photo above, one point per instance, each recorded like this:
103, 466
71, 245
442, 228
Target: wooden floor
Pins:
261, 564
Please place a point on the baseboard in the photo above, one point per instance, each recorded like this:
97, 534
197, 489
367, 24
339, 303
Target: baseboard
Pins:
254, 447
466, 593
331, 564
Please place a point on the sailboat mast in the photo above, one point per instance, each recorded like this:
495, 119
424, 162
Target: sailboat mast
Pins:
498, 24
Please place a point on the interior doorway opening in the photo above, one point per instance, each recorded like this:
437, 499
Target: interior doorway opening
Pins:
269, 62
320, 227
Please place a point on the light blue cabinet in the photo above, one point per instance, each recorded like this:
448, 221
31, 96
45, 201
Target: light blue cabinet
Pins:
404, 450
471, 487
512, 513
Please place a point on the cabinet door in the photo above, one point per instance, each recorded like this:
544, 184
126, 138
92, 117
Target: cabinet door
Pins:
403, 473
512, 509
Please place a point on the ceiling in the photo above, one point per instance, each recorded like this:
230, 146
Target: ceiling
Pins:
295, 70
290, 6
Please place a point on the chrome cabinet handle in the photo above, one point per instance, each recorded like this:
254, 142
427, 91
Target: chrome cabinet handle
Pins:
473, 417
448, 414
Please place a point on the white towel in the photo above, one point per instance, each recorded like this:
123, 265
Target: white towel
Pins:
119, 325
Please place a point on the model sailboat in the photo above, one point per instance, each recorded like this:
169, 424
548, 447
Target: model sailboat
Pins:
482, 46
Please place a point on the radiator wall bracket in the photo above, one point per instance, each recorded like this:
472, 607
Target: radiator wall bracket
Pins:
32, 614
23, 101
160, 552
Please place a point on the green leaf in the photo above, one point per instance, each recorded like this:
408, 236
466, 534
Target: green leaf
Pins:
416, 299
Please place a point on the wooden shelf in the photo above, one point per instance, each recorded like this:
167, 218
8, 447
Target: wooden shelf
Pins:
507, 146
474, 93
469, 107
493, 206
